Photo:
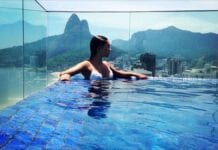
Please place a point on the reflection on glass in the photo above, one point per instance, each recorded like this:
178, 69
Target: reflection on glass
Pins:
35, 52
11, 71
22, 68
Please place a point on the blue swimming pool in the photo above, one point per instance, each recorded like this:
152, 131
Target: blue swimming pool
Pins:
159, 113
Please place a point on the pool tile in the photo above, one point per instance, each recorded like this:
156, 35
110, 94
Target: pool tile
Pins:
14, 144
9, 130
34, 147
51, 122
8, 112
4, 138
55, 143
38, 142
46, 129
24, 137
3, 119
39, 122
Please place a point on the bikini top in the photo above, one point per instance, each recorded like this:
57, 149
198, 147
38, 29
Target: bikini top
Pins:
95, 75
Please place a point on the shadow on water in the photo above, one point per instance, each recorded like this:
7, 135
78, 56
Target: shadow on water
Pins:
99, 92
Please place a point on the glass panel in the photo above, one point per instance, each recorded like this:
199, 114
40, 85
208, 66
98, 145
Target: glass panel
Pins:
33, 5
68, 41
115, 26
183, 43
160, 44
35, 69
12, 4
11, 58
70, 34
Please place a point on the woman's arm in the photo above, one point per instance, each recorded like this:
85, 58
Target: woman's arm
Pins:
126, 74
65, 75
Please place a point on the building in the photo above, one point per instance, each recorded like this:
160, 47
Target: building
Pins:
174, 66
34, 61
148, 62
138, 70
207, 72
123, 62
37, 60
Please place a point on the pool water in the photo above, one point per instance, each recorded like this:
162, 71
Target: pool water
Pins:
159, 113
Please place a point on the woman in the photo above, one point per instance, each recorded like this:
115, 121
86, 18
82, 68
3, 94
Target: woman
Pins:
95, 68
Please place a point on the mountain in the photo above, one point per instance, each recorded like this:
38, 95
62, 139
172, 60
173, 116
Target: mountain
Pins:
62, 50
76, 36
73, 45
15, 30
171, 41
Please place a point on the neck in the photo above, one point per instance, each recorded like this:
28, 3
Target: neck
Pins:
96, 60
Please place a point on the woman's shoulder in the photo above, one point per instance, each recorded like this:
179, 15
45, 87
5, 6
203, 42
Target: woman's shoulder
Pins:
107, 63
85, 63
110, 65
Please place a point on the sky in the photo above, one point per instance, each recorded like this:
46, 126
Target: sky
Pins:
114, 25
123, 25
127, 5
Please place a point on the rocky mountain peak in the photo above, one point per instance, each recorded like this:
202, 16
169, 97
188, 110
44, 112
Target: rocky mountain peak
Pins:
74, 25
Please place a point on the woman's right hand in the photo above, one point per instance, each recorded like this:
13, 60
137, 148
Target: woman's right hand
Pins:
64, 76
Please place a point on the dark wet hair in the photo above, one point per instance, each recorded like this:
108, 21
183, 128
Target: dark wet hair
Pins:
95, 43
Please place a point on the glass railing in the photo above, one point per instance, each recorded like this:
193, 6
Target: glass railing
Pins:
22, 50
11, 58
168, 43
35, 68
35, 44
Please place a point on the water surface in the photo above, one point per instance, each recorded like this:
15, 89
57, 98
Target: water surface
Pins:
159, 113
